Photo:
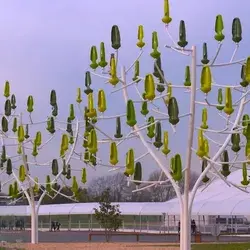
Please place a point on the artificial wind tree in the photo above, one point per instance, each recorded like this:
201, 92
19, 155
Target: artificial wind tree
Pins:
157, 92
21, 157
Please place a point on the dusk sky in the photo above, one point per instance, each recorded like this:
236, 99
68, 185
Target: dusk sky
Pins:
45, 45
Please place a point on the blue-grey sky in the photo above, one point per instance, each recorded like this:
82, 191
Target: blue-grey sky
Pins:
45, 45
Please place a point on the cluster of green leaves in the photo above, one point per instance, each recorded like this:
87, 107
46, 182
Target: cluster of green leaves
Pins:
108, 215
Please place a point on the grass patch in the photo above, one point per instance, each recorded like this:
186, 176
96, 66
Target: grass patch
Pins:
221, 246
152, 245
211, 246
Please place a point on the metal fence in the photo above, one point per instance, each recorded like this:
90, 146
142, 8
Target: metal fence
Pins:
160, 224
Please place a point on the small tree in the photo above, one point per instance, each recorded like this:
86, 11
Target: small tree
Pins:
108, 216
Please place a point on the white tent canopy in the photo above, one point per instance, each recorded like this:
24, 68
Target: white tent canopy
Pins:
217, 199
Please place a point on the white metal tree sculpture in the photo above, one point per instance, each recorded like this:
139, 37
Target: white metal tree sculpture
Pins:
29, 142
157, 92
217, 165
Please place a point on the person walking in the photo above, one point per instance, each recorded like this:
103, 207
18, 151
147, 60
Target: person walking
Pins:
193, 226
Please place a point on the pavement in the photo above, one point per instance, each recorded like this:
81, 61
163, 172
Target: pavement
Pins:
82, 236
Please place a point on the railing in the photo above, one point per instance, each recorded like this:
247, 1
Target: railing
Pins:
144, 224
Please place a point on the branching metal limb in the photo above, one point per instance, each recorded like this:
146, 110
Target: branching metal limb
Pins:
101, 76
15, 176
206, 185
215, 105
225, 64
216, 54
101, 131
117, 57
220, 163
91, 165
67, 161
15, 200
144, 142
234, 53
64, 195
4, 135
227, 86
8, 181
121, 88
243, 96
78, 154
48, 163
247, 101
210, 139
118, 167
208, 159
239, 90
17, 160
234, 160
219, 174
144, 127
231, 62
143, 188
111, 117
113, 168
237, 119
215, 176
81, 112
47, 142
132, 65
30, 118
165, 114
152, 182
65, 122
142, 156
128, 136
159, 182
75, 158
35, 123
226, 118
170, 36
3, 170
224, 131
160, 73
176, 48
241, 188
16, 144
63, 181
11, 117
208, 104
117, 139
62, 130
234, 130
142, 100
13, 156
172, 85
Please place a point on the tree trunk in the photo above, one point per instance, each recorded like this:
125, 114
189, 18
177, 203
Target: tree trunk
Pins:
106, 235
185, 237
185, 229
34, 224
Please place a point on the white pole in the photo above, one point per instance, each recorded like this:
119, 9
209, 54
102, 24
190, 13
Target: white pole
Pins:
186, 216
33, 214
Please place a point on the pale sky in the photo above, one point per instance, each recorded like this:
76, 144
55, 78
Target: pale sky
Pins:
45, 45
